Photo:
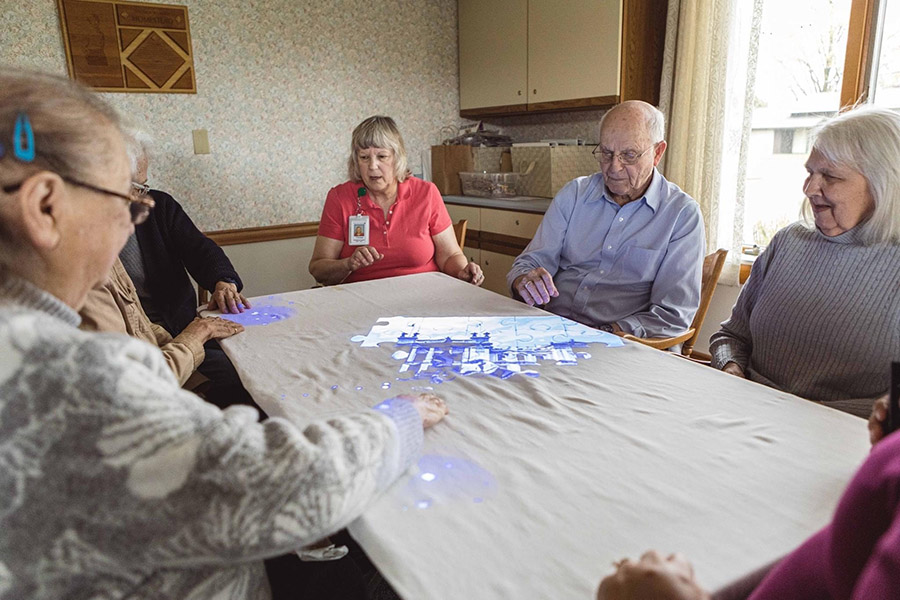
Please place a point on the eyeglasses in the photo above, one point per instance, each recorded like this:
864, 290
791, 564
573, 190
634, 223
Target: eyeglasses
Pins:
142, 189
139, 209
629, 157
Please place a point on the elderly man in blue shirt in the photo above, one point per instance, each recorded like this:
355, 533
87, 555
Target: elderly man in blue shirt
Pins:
621, 250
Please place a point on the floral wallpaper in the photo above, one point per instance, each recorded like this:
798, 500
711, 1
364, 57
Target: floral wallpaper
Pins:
281, 84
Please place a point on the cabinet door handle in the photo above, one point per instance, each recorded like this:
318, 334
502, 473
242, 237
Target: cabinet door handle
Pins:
534, 91
520, 92
517, 221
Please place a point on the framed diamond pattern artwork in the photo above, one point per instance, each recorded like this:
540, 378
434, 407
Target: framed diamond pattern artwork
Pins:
116, 46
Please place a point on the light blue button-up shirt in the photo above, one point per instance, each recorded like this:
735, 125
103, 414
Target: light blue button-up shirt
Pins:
637, 265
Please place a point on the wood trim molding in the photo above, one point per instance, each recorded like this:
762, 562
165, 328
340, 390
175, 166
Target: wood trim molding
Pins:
253, 235
494, 111
859, 44
517, 110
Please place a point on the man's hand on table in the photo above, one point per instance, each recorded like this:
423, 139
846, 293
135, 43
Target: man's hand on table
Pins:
878, 419
536, 287
227, 299
670, 578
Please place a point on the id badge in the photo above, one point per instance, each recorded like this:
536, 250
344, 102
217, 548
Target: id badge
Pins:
359, 230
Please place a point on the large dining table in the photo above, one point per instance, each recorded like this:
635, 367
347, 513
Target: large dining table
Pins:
554, 461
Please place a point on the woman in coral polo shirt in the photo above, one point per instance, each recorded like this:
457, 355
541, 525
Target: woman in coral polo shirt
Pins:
384, 222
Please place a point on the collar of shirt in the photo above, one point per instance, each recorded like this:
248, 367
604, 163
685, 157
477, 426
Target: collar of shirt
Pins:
652, 197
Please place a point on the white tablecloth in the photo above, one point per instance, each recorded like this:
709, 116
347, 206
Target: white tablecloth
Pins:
556, 476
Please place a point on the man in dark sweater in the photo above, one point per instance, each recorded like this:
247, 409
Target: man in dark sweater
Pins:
159, 256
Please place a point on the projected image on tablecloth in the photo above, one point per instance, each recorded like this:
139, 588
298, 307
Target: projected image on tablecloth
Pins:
259, 315
437, 349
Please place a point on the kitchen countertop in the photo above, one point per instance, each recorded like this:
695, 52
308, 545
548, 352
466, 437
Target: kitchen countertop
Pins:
519, 203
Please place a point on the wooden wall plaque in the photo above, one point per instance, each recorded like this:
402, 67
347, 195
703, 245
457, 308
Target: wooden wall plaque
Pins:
116, 46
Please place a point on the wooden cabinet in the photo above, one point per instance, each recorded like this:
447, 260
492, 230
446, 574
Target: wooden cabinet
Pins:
497, 29
494, 239
574, 49
567, 55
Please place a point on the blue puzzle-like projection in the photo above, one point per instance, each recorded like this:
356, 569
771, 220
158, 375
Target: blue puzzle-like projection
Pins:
259, 315
438, 349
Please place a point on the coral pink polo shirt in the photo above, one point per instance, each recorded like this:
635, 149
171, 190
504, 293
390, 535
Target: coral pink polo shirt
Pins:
403, 237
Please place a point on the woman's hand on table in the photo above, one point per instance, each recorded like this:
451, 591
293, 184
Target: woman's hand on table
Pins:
363, 257
431, 408
732, 368
227, 299
210, 328
670, 578
878, 419
536, 287
472, 274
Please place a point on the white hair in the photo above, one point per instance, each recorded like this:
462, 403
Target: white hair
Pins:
867, 139
655, 120
138, 144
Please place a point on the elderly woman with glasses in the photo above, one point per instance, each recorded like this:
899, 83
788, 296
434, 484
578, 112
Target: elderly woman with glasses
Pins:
818, 316
116, 482
384, 222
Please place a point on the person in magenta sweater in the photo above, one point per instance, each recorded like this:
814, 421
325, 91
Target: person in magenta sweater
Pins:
384, 222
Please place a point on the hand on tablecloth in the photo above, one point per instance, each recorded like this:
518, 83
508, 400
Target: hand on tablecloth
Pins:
431, 408
363, 257
670, 578
227, 299
210, 328
472, 274
536, 286
877, 419
732, 368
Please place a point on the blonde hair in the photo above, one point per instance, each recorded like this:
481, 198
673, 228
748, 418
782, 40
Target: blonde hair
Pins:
866, 138
377, 132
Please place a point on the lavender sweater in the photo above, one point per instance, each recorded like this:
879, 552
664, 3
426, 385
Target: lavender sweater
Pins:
116, 483
819, 318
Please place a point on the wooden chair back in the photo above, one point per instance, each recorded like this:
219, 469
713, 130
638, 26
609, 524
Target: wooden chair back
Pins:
712, 270
459, 228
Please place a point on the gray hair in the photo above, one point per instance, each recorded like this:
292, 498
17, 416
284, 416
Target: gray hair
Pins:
377, 132
138, 144
655, 120
67, 121
867, 139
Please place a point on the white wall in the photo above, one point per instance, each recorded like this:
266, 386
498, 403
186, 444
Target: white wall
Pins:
273, 267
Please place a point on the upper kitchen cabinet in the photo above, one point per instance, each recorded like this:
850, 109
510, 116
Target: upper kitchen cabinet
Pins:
575, 54
493, 53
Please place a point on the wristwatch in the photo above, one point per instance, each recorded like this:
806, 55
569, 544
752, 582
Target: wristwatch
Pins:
605, 327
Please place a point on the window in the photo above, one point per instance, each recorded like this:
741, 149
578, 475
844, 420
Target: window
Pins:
801, 54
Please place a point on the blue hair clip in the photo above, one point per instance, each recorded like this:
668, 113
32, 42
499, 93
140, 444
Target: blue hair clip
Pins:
22, 130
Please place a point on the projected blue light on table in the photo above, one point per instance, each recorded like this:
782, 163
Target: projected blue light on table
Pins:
259, 315
440, 480
438, 349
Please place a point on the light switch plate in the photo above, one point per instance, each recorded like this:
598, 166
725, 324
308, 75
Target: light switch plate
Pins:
201, 141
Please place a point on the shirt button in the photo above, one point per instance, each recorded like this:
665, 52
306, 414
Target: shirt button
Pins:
609, 247
602, 272
621, 219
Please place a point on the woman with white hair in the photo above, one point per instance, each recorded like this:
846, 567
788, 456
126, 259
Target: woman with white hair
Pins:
384, 222
819, 316
115, 482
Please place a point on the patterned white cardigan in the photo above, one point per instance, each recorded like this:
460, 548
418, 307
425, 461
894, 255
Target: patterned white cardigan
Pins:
116, 483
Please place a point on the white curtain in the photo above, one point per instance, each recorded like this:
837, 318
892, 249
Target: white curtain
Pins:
706, 93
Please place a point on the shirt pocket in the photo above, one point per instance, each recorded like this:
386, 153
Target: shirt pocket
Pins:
639, 265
